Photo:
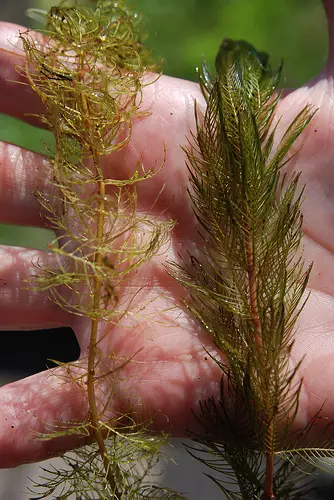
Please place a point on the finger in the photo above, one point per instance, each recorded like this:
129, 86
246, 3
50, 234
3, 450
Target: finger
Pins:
157, 139
22, 175
16, 98
314, 343
156, 384
38, 404
22, 308
322, 261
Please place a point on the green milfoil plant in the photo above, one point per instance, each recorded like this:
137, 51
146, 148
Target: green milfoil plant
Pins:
246, 280
88, 68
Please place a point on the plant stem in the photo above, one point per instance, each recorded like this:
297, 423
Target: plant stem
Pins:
94, 415
269, 480
98, 258
252, 284
270, 427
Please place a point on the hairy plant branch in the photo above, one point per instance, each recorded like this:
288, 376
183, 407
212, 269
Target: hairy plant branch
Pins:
88, 70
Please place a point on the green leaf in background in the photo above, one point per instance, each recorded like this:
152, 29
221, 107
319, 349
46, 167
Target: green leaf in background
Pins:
182, 32
26, 136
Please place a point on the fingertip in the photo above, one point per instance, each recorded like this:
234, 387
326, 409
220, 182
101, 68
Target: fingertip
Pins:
10, 38
24, 307
41, 404
16, 98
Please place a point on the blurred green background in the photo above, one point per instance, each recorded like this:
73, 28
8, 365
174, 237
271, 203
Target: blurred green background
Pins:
180, 34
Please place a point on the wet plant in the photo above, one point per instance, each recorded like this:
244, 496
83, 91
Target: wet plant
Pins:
87, 67
246, 282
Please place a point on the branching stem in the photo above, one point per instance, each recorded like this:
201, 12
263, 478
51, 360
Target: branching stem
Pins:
88, 72
254, 307
98, 258
252, 284
270, 462
94, 416
247, 284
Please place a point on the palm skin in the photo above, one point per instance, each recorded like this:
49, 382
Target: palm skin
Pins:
170, 372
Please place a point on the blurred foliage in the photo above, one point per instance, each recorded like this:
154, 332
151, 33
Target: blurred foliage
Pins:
181, 33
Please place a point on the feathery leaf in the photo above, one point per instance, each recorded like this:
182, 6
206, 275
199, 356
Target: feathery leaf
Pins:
246, 282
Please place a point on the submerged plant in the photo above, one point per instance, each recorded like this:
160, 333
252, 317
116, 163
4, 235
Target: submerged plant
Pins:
246, 282
88, 72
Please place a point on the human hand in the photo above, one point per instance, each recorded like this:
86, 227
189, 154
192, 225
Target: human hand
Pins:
171, 372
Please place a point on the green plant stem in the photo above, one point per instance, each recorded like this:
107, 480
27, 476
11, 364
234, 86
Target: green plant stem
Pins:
94, 416
98, 258
93, 49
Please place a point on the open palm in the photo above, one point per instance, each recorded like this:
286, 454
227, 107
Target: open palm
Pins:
170, 372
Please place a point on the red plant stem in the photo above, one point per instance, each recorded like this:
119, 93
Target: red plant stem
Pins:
255, 319
252, 284
269, 480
